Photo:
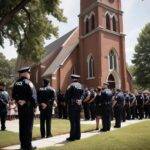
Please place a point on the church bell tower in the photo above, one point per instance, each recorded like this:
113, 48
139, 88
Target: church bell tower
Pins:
102, 46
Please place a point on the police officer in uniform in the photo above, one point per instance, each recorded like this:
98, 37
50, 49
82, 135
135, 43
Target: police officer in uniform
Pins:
74, 97
86, 104
140, 105
46, 97
4, 98
106, 104
92, 104
146, 104
127, 106
61, 104
118, 107
24, 94
133, 106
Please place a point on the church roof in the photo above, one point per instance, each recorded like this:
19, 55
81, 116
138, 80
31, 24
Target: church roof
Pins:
52, 47
63, 55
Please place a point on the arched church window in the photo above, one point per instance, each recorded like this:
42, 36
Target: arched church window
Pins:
87, 25
114, 23
112, 60
92, 22
108, 22
90, 67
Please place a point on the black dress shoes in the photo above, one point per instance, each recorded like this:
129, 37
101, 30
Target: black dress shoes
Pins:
70, 139
103, 130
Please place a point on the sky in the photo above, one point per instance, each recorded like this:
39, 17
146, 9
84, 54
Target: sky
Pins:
136, 15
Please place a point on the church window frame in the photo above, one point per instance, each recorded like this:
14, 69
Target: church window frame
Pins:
92, 20
114, 23
113, 60
87, 24
108, 20
90, 65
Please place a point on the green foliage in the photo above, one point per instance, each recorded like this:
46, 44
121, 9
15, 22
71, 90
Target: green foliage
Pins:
30, 25
142, 58
7, 68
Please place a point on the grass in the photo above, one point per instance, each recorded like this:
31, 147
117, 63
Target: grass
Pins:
59, 126
134, 137
8, 138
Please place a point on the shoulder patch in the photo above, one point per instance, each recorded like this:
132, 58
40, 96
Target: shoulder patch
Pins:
31, 84
68, 87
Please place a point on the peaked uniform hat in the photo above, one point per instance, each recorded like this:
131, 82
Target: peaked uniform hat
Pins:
75, 76
105, 83
25, 69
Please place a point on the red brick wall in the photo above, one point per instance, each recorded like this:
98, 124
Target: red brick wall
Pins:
61, 79
85, 4
115, 5
100, 43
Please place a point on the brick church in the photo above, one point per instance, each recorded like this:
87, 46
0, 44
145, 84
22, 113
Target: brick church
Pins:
95, 50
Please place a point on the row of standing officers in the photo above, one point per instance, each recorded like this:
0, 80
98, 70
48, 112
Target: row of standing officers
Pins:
26, 97
134, 106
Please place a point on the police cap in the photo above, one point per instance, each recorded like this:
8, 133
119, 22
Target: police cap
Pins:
99, 87
140, 92
105, 83
75, 76
146, 92
25, 69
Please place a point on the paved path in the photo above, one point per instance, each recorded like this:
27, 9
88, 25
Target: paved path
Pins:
13, 125
60, 140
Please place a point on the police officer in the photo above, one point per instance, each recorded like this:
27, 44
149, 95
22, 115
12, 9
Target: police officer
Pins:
61, 104
146, 104
4, 98
127, 106
46, 97
140, 105
106, 103
86, 104
74, 97
92, 104
118, 107
133, 106
24, 94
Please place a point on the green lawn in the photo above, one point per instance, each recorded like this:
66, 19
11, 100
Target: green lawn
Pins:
8, 138
59, 126
134, 137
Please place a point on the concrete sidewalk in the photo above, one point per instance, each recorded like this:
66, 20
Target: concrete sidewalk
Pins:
13, 125
60, 140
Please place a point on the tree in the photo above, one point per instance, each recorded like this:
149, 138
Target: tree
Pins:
142, 58
26, 24
7, 68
